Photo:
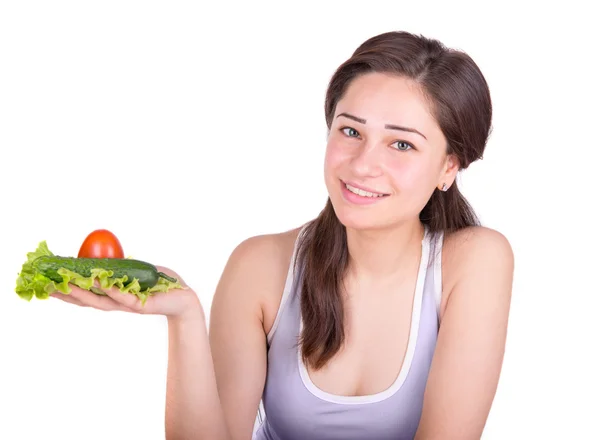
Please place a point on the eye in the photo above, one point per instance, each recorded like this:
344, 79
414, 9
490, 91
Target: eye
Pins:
403, 146
350, 132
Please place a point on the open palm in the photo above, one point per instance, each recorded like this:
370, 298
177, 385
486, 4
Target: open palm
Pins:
175, 302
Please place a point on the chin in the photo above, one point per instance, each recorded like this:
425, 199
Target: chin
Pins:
356, 217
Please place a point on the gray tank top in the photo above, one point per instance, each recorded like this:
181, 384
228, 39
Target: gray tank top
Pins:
294, 408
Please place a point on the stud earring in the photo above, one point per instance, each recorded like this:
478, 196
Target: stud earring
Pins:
445, 188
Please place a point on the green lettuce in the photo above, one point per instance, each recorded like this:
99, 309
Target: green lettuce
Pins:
31, 282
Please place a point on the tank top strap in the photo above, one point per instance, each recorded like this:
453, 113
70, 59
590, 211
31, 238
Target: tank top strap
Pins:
437, 241
289, 284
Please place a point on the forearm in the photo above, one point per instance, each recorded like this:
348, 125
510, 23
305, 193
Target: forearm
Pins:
193, 410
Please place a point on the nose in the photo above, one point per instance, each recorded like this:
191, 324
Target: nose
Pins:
367, 160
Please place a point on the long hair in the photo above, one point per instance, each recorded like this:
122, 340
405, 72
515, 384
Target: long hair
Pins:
460, 100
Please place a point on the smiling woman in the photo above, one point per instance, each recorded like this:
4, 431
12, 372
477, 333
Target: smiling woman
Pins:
384, 282
385, 317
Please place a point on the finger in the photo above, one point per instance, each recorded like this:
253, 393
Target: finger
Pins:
157, 302
127, 300
171, 273
68, 299
100, 302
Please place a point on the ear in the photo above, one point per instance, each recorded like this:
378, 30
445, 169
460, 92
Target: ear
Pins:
449, 171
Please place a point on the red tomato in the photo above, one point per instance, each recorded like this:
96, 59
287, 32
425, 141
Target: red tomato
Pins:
101, 244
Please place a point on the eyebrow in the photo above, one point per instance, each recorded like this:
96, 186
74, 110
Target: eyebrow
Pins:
390, 126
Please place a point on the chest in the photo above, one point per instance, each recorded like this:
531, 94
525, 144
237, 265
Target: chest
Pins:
378, 330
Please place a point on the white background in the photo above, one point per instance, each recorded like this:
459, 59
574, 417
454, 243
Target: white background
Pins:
185, 129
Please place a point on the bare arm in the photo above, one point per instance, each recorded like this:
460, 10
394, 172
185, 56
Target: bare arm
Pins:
468, 358
237, 334
215, 381
193, 409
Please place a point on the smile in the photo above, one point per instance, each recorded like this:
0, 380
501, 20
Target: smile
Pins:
362, 192
360, 196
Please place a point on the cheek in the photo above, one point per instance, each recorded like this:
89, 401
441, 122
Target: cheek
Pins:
334, 157
410, 174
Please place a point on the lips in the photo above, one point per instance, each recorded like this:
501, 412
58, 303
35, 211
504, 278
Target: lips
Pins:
363, 190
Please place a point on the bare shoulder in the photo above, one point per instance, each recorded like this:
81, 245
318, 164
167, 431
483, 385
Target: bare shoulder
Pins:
472, 336
269, 246
258, 268
474, 242
475, 254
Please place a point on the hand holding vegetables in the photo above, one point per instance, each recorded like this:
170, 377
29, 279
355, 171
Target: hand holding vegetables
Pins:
99, 279
176, 303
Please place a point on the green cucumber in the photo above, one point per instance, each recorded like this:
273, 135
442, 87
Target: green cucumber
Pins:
146, 273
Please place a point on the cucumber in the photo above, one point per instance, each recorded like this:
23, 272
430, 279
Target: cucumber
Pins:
146, 273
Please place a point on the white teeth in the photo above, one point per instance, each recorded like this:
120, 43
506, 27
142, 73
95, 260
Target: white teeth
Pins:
362, 193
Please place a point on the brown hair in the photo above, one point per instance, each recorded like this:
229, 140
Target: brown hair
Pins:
460, 102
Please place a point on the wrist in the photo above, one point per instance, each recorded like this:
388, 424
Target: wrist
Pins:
193, 312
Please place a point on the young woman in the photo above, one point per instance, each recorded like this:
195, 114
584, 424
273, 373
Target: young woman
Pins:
383, 318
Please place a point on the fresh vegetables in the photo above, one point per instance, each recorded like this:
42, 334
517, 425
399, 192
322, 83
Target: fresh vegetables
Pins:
145, 273
101, 243
44, 273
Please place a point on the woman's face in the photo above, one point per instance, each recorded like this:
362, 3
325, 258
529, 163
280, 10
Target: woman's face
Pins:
385, 153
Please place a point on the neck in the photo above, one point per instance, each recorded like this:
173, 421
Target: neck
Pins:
377, 255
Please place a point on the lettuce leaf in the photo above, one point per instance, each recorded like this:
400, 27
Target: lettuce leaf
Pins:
31, 282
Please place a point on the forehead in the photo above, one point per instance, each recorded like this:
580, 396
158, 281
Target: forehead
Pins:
387, 99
